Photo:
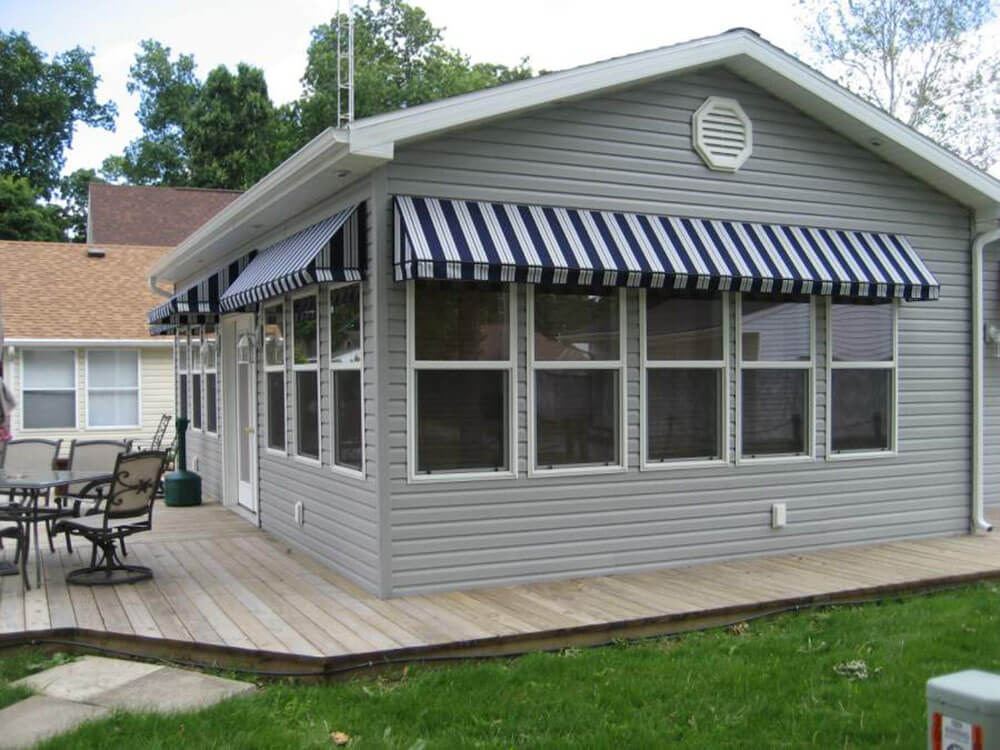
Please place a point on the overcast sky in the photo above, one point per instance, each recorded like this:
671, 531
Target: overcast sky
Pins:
274, 35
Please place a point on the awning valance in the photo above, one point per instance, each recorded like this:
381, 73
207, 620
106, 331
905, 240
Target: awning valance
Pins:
199, 302
329, 250
471, 240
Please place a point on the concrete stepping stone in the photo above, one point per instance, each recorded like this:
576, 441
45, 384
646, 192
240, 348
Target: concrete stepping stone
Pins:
85, 678
38, 717
168, 689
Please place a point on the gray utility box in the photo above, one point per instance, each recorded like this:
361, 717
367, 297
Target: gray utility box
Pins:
963, 711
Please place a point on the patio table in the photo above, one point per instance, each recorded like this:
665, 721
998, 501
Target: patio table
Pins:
30, 485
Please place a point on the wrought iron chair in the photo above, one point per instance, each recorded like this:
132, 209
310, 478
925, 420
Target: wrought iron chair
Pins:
161, 430
29, 454
128, 509
15, 530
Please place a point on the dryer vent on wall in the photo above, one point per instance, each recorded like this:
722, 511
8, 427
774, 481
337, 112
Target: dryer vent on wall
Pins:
722, 134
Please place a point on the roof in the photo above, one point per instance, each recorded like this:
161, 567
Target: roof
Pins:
143, 215
337, 157
53, 290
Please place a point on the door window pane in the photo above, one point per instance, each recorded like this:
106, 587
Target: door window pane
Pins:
307, 413
461, 321
862, 409
862, 333
49, 369
304, 331
775, 412
182, 396
347, 418
274, 336
775, 331
461, 422
345, 325
683, 417
243, 376
576, 327
196, 401
576, 417
211, 403
49, 409
683, 328
276, 410
182, 355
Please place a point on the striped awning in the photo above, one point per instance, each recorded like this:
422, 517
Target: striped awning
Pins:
329, 250
480, 241
200, 302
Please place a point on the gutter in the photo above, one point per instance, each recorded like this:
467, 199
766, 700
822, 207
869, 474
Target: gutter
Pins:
158, 290
978, 520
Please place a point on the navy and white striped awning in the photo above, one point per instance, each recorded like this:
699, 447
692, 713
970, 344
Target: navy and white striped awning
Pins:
200, 302
329, 250
480, 241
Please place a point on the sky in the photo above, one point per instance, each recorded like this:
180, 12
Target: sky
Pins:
274, 35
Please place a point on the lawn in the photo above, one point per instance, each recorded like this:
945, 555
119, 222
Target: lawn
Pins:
841, 677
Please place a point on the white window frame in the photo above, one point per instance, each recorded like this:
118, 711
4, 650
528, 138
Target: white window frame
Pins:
413, 366
268, 368
619, 365
75, 389
723, 365
808, 365
358, 366
196, 369
313, 367
137, 389
892, 365
205, 372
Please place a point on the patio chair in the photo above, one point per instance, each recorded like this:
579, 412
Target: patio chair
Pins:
161, 430
17, 532
128, 509
29, 454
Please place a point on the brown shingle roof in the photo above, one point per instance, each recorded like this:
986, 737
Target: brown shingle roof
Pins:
54, 290
141, 215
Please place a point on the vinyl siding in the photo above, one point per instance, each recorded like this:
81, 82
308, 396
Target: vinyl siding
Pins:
155, 398
631, 151
991, 434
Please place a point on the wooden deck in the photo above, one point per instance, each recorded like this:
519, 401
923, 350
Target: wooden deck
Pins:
228, 594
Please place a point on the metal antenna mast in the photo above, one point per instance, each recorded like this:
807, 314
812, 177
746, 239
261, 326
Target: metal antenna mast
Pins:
345, 67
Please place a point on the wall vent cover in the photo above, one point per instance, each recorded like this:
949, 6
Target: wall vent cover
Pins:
722, 134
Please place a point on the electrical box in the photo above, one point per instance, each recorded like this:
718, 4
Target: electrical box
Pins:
779, 515
300, 513
963, 711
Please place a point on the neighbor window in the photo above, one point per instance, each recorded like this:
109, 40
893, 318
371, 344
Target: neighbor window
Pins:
685, 367
274, 374
113, 388
305, 365
345, 376
862, 385
775, 404
196, 405
577, 367
210, 364
461, 379
48, 389
182, 374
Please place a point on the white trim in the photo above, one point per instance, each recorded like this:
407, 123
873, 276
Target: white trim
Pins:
412, 366
75, 389
195, 333
334, 367
620, 366
268, 368
724, 366
312, 367
810, 368
33, 343
205, 372
892, 365
138, 393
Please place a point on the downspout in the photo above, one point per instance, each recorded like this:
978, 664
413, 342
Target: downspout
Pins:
158, 290
979, 522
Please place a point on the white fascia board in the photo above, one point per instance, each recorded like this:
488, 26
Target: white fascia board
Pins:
107, 343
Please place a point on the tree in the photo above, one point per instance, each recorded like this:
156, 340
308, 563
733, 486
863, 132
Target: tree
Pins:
74, 190
23, 217
923, 61
41, 102
399, 62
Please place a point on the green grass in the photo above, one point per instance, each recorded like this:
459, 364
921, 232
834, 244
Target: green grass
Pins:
20, 663
775, 684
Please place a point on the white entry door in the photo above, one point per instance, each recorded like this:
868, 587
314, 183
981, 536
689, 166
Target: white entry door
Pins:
246, 412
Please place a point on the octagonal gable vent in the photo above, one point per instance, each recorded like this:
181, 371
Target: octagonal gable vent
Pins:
722, 134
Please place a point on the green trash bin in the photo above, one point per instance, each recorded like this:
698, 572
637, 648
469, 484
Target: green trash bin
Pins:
182, 487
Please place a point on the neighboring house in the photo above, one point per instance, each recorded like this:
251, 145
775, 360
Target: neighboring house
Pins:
141, 215
690, 304
77, 354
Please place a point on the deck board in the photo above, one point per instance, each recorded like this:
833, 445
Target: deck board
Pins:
222, 584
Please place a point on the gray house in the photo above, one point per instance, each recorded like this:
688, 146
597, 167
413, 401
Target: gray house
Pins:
690, 304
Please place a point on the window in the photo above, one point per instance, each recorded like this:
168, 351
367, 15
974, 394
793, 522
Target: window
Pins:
181, 346
461, 378
113, 388
774, 408
305, 365
861, 405
210, 364
196, 406
686, 379
48, 389
576, 369
274, 375
345, 377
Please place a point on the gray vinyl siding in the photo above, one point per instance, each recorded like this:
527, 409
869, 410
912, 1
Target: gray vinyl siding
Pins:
991, 424
631, 151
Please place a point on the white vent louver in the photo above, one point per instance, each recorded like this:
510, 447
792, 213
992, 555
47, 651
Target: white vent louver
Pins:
722, 134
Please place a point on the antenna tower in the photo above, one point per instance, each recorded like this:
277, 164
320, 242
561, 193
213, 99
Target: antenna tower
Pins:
345, 67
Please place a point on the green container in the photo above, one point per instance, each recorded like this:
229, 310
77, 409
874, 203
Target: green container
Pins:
182, 487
